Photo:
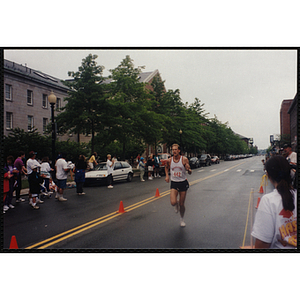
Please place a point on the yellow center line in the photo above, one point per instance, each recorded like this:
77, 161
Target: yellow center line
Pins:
76, 230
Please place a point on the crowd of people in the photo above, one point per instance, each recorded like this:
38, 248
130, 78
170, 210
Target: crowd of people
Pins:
43, 180
152, 164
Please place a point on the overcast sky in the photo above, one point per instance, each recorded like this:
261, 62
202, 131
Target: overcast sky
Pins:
242, 87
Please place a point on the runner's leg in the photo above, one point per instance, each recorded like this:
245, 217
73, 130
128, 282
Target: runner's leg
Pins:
182, 196
173, 197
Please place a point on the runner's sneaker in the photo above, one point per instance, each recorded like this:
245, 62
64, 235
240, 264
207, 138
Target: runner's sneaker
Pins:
35, 206
62, 199
39, 201
11, 206
110, 186
182, 224
5, 208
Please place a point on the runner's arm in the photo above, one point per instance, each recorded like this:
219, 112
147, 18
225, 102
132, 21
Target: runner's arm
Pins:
187, 165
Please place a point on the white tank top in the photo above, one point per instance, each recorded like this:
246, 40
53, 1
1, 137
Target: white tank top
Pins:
177, 170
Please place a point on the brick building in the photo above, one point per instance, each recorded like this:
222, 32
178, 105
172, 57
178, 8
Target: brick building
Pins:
285, 128
292, 111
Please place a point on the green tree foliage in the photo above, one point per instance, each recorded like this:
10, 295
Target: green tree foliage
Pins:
72, 149
86, 107
223, 140
131, 116
19, 140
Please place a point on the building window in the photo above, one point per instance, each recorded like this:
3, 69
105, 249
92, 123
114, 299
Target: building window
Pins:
58, 103
9, 117
45, 123
29, 97
8, 95
30, 123
45, 101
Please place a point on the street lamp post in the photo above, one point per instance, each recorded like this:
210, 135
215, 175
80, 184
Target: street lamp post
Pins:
52, 101
181, 148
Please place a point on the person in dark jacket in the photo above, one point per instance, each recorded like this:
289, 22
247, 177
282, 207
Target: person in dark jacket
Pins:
79, 171
35, 179
150, 164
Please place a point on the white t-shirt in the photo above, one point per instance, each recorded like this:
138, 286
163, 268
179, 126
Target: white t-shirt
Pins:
275, 225
109, 167
30, 163
292, 158
45, 169
61, 164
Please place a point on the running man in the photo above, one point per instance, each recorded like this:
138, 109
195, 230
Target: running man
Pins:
178, 165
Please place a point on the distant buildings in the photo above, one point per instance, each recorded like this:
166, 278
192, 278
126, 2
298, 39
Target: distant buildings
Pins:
288, 120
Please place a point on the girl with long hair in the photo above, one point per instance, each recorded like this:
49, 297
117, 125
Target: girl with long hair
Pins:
275, 223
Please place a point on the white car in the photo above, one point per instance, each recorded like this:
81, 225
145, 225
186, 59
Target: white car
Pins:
98, 176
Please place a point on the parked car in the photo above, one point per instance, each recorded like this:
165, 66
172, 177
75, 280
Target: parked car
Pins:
205, 160
163, 157
98, 176
194, 162
215, 160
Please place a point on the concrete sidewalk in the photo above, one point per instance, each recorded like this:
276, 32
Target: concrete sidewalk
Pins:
70, 184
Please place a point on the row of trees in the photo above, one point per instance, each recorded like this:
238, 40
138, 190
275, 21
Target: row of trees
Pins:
121, 115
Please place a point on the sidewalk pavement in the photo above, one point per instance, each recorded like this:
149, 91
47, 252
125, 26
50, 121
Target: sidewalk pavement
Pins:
70, 184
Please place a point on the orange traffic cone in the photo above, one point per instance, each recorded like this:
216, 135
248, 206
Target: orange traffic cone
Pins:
121, 208
258, 200
261, 191
157, 193
13, 243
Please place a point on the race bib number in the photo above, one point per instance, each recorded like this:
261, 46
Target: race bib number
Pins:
177, 174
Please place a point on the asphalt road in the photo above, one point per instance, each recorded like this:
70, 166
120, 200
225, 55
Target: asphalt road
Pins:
216, 213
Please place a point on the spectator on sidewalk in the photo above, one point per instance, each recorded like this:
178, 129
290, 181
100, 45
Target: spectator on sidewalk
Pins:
110, 168
79, 171
150, 164
9, 166
92, 161
19, 165
114, 159
142, 168
6, 177
275, 224
291, 157
62, 170
31, 161
156, 165
46, 169
35, 180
